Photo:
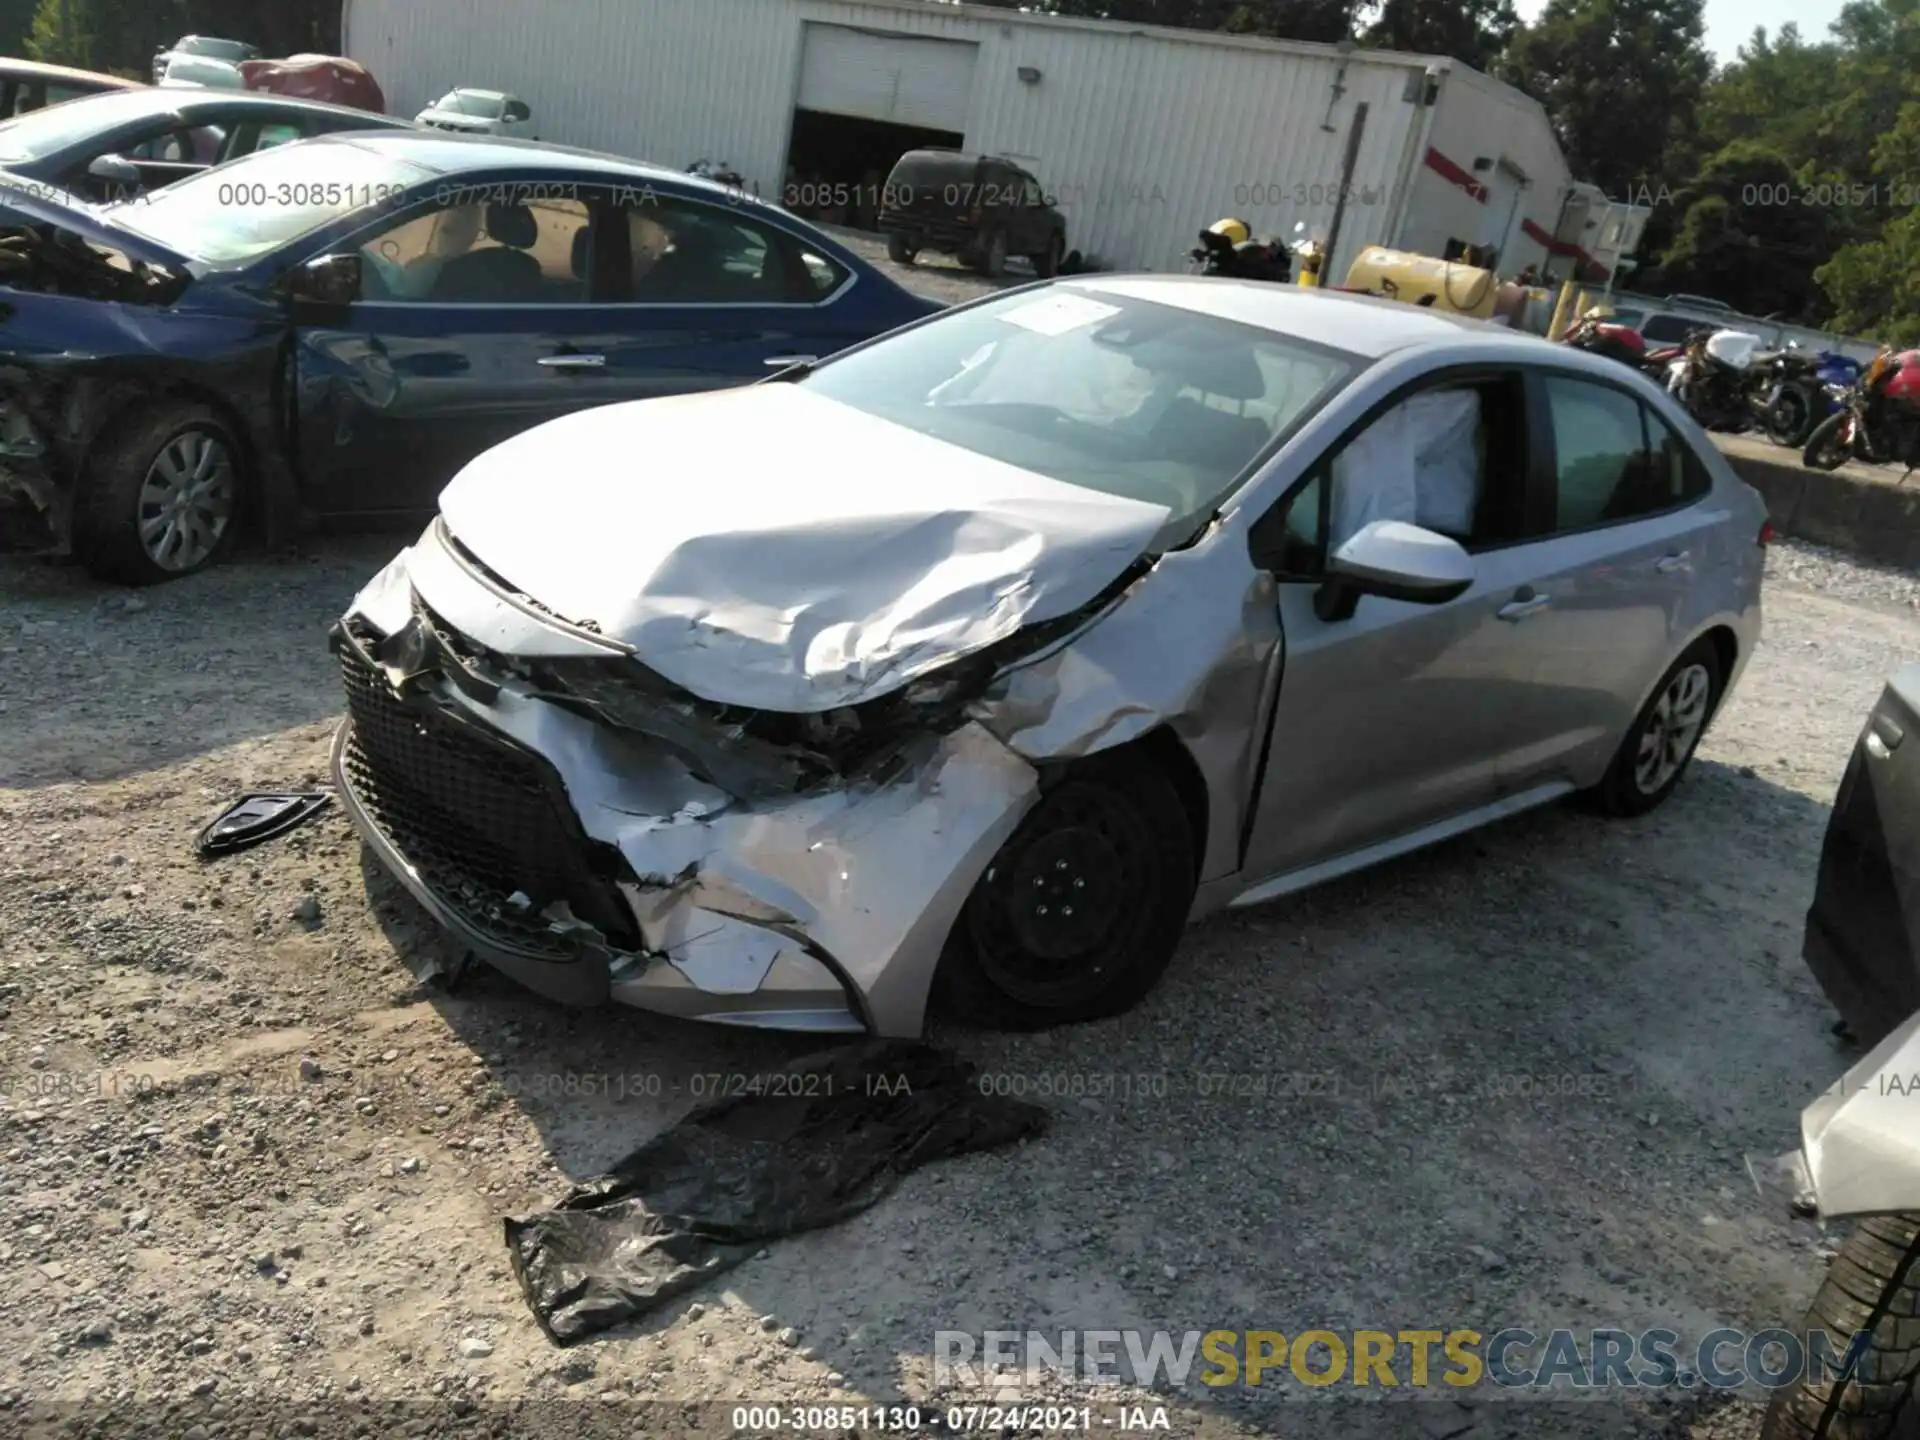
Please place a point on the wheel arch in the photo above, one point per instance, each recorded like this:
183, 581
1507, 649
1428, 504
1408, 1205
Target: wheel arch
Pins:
135, 398
1163, 749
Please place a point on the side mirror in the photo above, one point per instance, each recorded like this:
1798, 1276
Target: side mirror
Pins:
116, 169
1395, 561
330, 283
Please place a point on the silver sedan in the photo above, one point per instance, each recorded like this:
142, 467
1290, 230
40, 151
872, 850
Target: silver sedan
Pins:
974, 663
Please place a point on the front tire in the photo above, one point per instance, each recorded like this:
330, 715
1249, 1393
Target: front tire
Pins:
1047, 264
1872, 1285
1825, 449
899, 251
161, 496
1661, 742
1078, 915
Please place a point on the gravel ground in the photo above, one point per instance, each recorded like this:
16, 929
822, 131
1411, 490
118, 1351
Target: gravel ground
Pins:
247, 1158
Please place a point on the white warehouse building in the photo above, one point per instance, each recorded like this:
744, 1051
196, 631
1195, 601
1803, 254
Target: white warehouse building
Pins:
1143, 134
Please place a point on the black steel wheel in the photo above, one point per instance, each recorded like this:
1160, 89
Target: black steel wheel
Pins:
1079, 913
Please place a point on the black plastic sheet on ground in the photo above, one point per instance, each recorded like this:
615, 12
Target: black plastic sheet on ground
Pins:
825, 1139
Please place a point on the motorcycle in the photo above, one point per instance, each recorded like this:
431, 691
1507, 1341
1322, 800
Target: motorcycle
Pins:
1710, 377
719, 172
1596, 333
1795, 391
1249, 259
1859, 1159
1877, 418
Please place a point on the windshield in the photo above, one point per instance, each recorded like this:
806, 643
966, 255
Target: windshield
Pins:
469, 102
249, 207
42, 132
1125, 396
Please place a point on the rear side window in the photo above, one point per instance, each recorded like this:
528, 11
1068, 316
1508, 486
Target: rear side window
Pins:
1668, 329
685, 253
1613, 459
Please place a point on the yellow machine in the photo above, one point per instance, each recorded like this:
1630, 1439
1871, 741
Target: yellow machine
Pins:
1425, 280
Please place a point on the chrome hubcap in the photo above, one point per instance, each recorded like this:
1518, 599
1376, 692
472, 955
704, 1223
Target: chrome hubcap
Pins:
187, 500
1672, 730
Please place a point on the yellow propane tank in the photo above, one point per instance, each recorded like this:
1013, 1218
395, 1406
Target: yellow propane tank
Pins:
1424, 280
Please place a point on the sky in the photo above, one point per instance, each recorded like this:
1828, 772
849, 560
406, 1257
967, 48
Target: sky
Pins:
1730, 22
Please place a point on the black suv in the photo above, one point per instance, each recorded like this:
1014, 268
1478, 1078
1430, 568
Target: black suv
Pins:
980, 208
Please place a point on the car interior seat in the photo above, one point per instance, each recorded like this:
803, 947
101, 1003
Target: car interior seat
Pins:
1222, 440
505, 270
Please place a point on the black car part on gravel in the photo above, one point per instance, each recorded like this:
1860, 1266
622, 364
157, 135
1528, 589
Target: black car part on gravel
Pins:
255, 818
822, 1140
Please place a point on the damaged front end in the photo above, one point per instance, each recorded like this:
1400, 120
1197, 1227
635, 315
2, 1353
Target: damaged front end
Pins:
66, 301
599, 834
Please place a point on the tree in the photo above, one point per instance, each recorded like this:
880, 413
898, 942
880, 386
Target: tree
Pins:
1621, 80
62, 33
1748, 232
1475, 32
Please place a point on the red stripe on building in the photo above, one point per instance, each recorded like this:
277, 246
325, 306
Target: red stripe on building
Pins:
1454, 175
1563, 247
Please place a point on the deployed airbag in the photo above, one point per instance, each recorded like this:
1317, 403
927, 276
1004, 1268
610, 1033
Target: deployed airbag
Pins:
825, 1138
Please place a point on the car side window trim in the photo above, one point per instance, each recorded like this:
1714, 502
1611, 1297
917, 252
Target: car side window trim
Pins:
1447, 377
1547, 467
595, 194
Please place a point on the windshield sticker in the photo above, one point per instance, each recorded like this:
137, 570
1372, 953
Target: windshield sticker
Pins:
1057, 314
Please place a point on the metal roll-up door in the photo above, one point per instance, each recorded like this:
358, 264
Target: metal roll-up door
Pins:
905, 79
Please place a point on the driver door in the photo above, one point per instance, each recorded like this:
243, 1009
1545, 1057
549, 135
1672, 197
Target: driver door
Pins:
456, 344
1402, 716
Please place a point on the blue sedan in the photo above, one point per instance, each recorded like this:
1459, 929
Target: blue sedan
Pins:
331, 329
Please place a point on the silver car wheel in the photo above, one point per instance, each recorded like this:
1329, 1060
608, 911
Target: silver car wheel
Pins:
1672, 729
187, 501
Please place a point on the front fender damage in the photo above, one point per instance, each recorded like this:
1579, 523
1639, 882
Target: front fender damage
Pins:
762, 853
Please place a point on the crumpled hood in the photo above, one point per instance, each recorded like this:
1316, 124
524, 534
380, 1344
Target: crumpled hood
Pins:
767, 547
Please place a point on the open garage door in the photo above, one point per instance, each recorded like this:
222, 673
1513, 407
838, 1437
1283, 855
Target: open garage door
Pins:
899, 79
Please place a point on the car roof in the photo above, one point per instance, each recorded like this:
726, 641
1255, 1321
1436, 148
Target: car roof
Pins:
1340, 320
474, 90
450, 153
183, 100
12, 69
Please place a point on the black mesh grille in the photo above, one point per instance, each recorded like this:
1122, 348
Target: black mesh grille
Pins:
478, 817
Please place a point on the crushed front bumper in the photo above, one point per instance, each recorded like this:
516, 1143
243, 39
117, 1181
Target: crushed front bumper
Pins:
826, 910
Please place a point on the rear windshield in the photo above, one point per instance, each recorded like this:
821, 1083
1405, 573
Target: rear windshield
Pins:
1135, 399
43, 132
466, 102
218, 49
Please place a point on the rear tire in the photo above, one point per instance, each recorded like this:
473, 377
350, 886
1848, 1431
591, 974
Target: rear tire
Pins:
1789, 420
991, 257
1661, 742
1825, 450
1112, 838
1873, 1285
899, 251
161, 496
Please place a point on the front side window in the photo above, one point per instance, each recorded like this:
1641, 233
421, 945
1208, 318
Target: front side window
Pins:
1136, 399
686, 253
1614, 460
1450, 458
526, 253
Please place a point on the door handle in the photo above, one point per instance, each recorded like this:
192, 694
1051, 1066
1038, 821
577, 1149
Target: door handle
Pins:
572, 362
1519, 609
782, 361
1667, 564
